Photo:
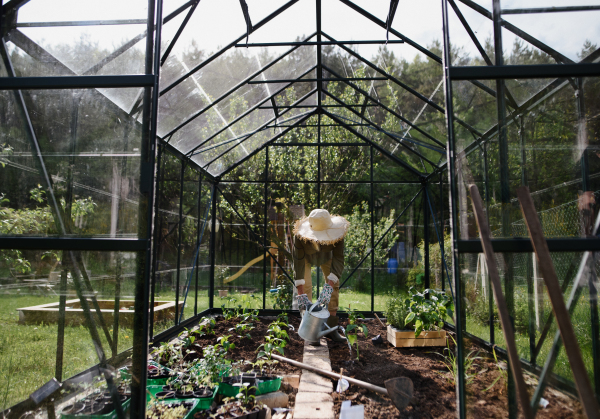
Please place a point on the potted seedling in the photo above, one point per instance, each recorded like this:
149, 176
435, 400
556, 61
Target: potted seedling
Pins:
417, 321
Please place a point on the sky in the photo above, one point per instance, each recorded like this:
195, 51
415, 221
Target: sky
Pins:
218, 22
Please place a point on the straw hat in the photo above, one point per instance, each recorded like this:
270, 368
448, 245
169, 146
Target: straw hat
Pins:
320, 227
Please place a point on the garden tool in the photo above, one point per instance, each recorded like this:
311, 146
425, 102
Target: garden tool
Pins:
399, 389
313, 325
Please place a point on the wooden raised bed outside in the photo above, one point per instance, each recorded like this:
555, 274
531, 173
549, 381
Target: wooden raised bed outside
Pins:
406, 338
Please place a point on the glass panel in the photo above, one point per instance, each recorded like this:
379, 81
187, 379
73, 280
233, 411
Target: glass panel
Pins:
240, 248
34, 348
81, 34
554, 135
290, 164
90, 153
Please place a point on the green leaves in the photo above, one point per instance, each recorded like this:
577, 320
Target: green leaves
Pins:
422, 313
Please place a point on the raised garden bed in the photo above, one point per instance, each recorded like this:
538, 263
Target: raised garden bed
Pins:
49, 313
407, 339
434, 390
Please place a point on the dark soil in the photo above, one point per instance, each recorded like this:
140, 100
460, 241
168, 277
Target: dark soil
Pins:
245, 349
434, 392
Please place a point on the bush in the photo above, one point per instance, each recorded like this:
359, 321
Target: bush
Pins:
411, 277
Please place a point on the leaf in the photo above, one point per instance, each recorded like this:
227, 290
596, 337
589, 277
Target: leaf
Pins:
418, 327
365, 330
409, 318
350, 327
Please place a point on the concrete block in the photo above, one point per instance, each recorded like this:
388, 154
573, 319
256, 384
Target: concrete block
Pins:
313, 406
314, 383
291, 379
323, 342
275, 399
322, 363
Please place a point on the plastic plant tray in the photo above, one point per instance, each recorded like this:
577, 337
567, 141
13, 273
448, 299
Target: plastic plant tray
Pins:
111, 415
150, 381
264, 387
193, 410
203, 403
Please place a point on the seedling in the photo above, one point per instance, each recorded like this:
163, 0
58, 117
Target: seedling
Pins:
271, 344
354, 315
451, 363
224, 342
277, 329
243, 330
353, 338
503, 373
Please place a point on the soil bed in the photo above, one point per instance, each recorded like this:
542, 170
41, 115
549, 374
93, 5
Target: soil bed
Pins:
434, 390
245, 349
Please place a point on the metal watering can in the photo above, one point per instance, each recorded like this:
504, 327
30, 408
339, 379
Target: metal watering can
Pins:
313, 325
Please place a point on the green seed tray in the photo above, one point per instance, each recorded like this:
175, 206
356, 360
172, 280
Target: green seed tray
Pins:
204, 403
111, 415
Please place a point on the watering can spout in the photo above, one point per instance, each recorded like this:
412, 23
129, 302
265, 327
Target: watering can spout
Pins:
327, 330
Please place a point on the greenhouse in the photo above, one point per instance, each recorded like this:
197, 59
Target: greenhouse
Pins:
299, 209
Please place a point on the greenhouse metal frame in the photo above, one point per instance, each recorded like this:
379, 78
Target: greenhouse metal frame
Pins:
215, 157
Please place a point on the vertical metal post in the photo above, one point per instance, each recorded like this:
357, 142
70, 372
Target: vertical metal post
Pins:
198, 242
372, 208
60, 342
117, 306
265, 222
145, 211
504, 190
426, 237
585, 186
319, 103
213, 250
446, 60
486, 187
179, 233
157, 237
442, 244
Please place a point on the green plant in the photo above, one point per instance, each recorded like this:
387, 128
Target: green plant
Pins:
396, 311
502, 372
285, 294
427, 313
243, 330
223, 341
271, 344
261, 363
353, 315
278, 329
450, 361
245, 397
353, 338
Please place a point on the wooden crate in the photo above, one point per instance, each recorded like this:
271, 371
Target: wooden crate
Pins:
406, 338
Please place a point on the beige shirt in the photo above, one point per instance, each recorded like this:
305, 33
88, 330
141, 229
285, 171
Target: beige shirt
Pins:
317, 255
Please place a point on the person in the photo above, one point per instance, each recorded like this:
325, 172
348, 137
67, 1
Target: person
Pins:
319, 241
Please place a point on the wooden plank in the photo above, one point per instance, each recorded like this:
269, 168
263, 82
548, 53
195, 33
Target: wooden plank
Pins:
428, 334
509, 335
546, 267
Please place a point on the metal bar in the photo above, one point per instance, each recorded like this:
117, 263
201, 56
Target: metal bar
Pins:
60, 334
147, 185
335, 182
380, 239
178, 33
12, 5
383, 25
252, 154
461, 399
250, 136
213, 237
426, 237
318, 43
322, 106
372, 210
318, 80
534, 71
586, 394
532, 40
503, 310
75, 82
116, 308
179, 234
232, 44
522, 245
157, 234
319, 144
82, 23
265, 221
71, 243
379, 148
235, 120
198, 241
549, 10
116, 53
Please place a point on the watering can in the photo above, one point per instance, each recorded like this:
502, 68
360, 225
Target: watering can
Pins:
313, 325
